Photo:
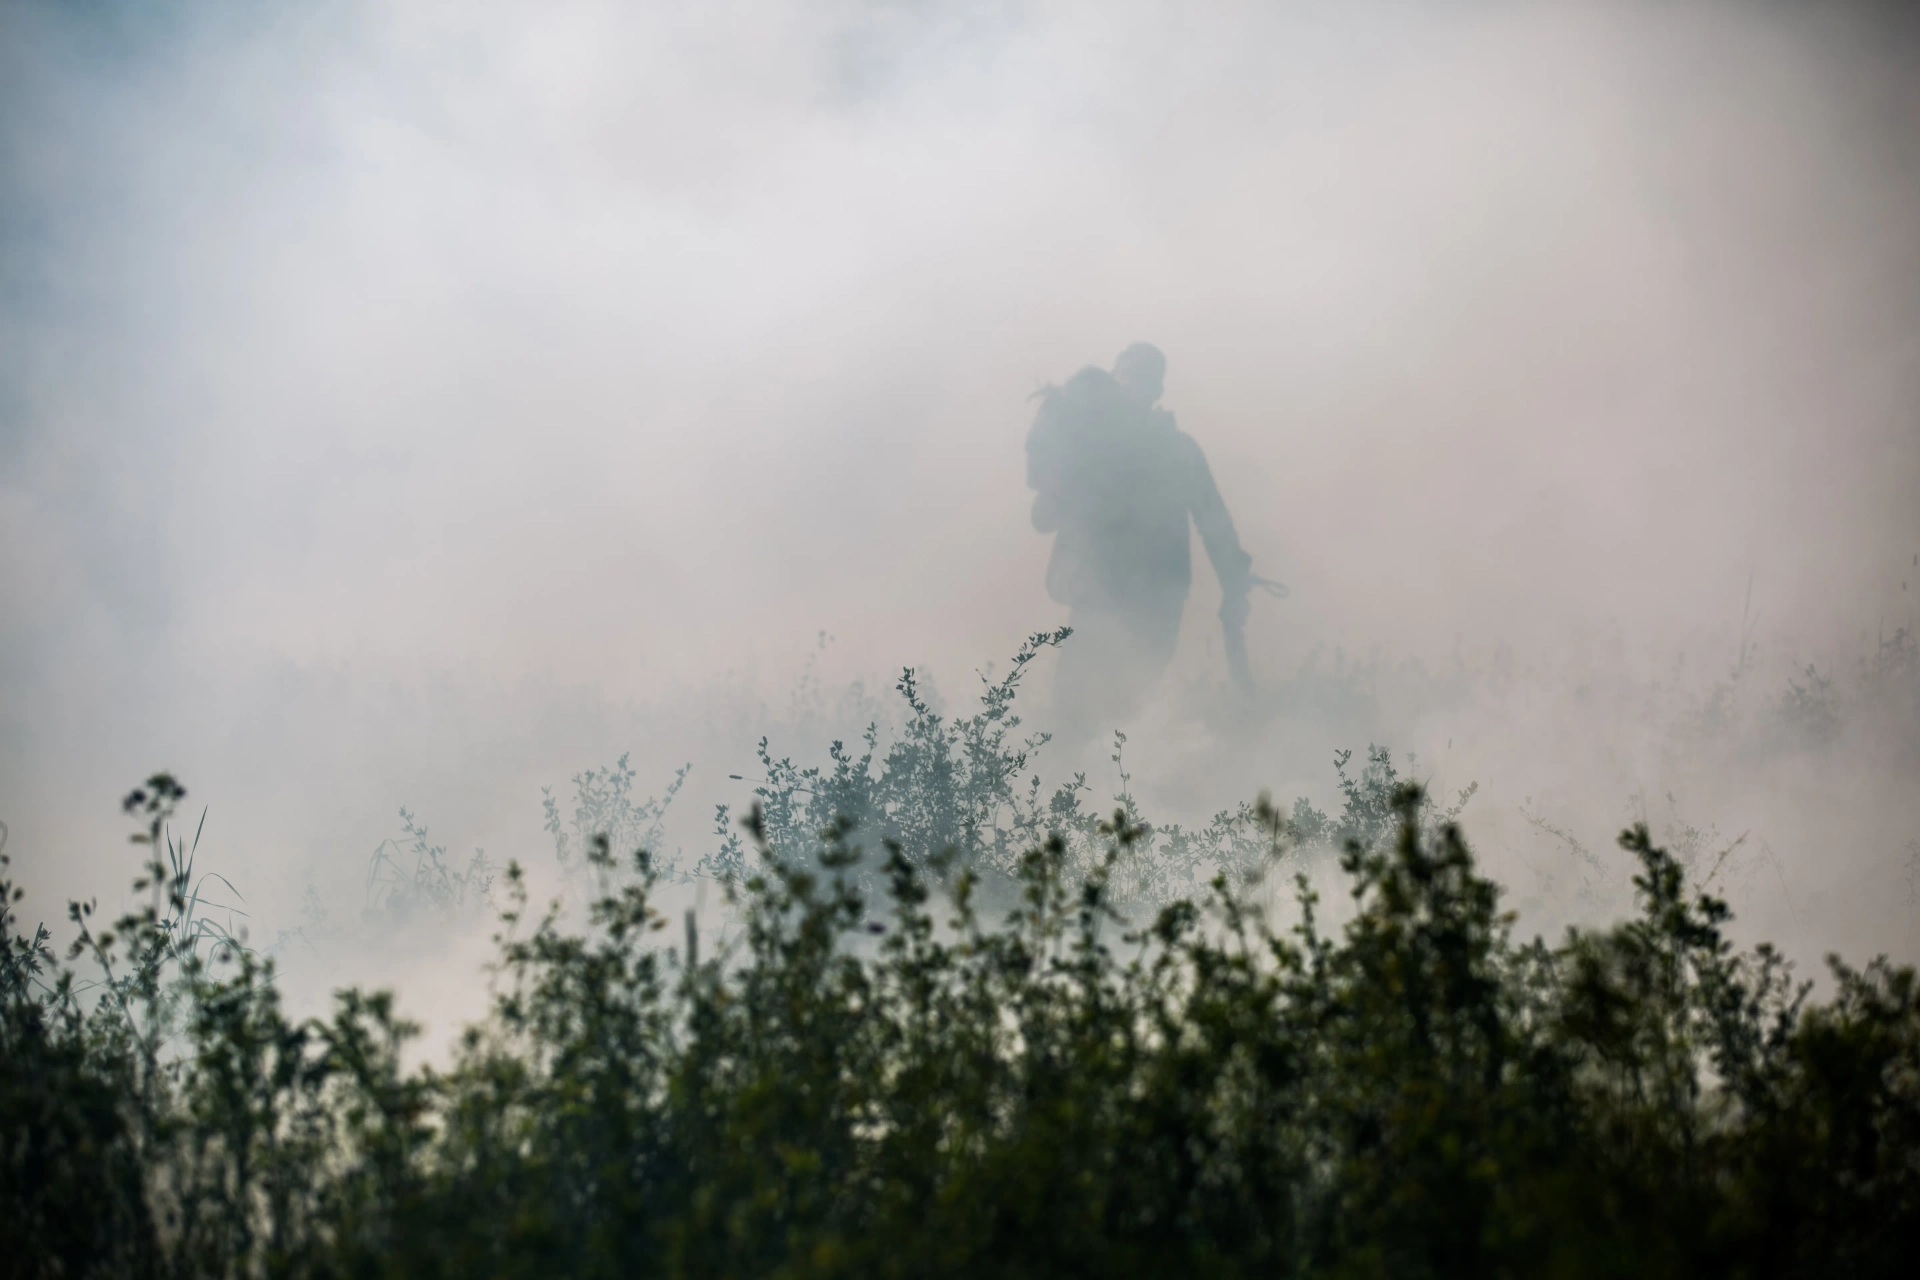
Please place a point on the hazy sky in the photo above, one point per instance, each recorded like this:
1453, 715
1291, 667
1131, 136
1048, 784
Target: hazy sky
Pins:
440, 358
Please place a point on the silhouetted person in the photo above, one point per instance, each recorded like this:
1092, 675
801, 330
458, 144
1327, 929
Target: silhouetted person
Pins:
1116, 482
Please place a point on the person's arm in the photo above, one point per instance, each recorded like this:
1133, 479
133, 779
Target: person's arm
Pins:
1231, 564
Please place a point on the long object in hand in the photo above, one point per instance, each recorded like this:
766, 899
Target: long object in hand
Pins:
1235, 636
1237, 668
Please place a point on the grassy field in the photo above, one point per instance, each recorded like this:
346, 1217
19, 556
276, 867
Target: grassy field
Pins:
956, 1024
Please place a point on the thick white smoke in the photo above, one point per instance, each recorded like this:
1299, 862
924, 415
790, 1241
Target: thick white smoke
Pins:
415, 403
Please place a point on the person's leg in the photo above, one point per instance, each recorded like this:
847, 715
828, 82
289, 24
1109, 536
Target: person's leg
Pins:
1146, 636
1093, 672
1155, 625
1110, 664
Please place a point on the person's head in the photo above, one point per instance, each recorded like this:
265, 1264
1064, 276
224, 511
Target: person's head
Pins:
1141, 371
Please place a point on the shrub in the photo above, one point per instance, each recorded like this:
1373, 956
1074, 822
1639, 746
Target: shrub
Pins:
907, 1084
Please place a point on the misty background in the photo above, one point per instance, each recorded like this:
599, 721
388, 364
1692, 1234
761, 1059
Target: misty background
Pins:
417, 404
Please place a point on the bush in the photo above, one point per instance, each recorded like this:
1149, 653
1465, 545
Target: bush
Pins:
960, 793
882, 1079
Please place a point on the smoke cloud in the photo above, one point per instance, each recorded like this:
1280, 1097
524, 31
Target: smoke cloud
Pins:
417, 403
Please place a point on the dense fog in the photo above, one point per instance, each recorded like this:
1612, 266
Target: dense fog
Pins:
417, 404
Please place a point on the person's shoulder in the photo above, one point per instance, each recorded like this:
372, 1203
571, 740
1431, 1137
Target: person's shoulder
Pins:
1185, 443
1185, 452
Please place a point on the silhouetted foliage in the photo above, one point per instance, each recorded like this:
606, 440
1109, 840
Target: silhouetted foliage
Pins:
604, 806
963, 794
878, 1078
409, 878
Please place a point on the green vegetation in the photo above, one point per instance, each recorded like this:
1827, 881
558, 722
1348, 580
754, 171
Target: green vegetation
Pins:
408, 876
964, 1027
